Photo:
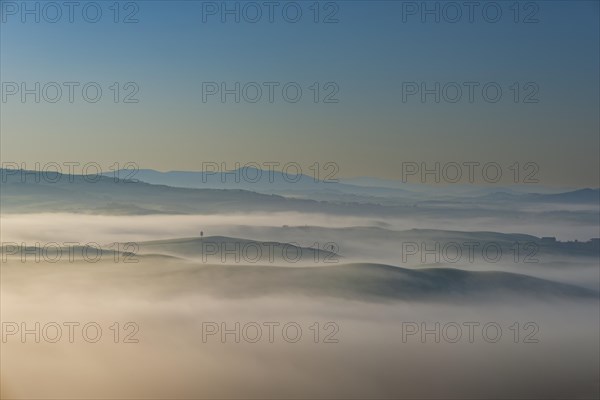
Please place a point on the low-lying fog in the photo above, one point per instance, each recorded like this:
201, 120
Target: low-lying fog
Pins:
360, 327
379, 353
105, 228
353, 239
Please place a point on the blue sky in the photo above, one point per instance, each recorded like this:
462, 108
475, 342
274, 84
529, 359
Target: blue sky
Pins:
368, 55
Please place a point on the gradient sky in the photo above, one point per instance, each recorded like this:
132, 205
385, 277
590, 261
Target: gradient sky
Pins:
368, 53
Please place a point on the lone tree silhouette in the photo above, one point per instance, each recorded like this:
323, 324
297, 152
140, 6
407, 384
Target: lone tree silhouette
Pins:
201, 234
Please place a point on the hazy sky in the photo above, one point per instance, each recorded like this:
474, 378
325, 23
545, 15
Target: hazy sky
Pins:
369, 54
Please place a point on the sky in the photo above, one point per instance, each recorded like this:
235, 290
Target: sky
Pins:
364, 62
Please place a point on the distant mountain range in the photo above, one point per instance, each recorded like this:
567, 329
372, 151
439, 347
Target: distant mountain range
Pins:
365, 190
580, 196
105, 195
